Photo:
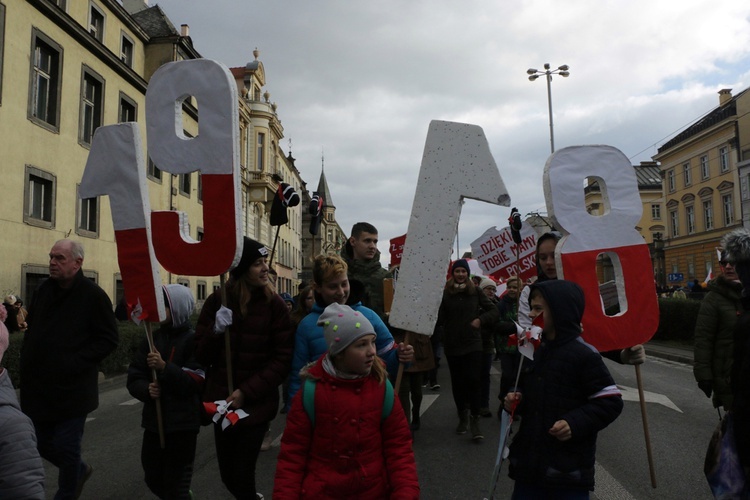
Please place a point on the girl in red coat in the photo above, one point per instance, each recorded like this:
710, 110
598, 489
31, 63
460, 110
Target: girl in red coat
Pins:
345, 445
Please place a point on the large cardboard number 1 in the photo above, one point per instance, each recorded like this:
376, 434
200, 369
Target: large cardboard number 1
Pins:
613, 233
214, 152
456, 164
117, 153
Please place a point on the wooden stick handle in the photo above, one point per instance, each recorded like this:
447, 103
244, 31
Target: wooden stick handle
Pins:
400, 374
227, 343
645, 426
157, 401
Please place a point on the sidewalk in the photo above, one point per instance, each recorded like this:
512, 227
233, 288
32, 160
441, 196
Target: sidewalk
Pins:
678, 354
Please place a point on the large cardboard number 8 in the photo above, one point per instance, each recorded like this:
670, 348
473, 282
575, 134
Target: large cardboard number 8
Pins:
613, 233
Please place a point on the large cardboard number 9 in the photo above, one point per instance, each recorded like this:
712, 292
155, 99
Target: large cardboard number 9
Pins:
613, 233
214, 152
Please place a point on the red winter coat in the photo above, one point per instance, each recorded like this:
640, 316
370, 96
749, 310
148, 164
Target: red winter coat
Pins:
261, 346
350, 452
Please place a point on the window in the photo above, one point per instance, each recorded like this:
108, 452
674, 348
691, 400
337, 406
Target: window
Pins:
126, 49
199, 234
670, 180
184, 282
92, 105
184, 184
46, 74
2, 46
674, 222
686, 174
261, 146
153, 171
726, 201
63, 4
200, 186
88, 217
201, 295
656, 211
705, 170
96, 22
724, 159
708, 214
128, 109
39, 198
690, 219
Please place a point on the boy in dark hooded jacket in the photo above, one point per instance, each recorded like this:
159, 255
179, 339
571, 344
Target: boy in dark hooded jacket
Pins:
565, 399
180, 379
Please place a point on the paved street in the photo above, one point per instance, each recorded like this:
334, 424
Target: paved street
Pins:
452, 467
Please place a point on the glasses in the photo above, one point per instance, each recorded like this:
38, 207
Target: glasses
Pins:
725, 263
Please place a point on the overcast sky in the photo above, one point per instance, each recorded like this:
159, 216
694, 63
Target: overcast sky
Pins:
362, 80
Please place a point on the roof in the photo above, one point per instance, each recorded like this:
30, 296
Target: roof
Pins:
155, 22
324, 191
715, 116
648, 175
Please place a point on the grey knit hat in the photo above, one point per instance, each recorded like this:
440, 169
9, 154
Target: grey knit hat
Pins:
342, 326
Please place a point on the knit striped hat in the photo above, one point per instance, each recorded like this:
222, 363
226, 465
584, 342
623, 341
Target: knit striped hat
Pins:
342, 326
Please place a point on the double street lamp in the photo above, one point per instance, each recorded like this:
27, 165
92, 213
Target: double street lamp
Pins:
533, 75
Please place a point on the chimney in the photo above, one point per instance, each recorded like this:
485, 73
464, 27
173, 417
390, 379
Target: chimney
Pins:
133, 6
184, 30
725, 95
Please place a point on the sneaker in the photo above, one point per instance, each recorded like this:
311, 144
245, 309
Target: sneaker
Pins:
476, 433
260, 497
83, 478
266, 445
435, 387
426, 384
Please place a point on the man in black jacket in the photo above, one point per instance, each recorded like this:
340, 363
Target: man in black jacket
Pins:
71, 329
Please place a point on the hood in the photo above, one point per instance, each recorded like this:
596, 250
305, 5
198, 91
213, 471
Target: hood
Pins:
181, 304
566, 302
725, 287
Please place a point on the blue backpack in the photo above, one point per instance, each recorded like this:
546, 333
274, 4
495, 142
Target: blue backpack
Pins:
308, 399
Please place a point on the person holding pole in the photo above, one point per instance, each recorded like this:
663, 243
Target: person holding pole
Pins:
254, 322
72, 328
179, 383
566, 398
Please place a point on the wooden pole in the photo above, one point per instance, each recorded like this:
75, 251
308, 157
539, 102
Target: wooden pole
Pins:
645, 426
400, 374
157, 401
227, 343
273, 249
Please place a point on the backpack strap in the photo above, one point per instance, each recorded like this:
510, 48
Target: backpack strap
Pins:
387, 400
308, 399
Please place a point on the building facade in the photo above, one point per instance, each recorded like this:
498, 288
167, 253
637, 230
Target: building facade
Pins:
70, 66
701, 186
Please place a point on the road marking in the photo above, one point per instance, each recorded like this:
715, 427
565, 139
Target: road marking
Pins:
608, 487
130, 402
631, 394
427, 400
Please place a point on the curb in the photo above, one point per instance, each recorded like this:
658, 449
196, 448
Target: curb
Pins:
678, 355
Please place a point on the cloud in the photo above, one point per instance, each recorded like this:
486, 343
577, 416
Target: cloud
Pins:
362, 80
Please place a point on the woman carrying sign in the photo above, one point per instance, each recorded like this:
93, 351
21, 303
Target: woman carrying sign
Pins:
262, 339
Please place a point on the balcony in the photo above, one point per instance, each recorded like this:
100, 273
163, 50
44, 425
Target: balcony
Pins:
261, 186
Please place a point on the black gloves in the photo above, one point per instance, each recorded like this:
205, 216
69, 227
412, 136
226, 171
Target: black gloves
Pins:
706, 386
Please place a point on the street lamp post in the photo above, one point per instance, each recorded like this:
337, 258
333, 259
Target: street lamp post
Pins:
533, 75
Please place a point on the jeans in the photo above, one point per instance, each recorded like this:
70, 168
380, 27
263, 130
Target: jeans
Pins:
60, 443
